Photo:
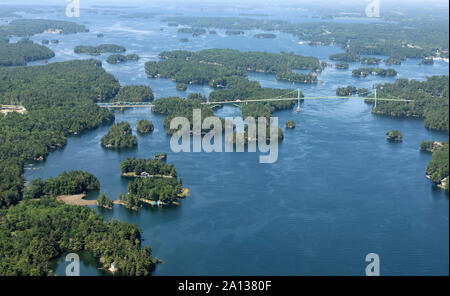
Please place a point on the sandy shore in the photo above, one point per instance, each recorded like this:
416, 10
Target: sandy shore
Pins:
76, 200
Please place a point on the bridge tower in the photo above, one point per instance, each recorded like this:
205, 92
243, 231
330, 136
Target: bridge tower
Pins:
298, 100
375, 98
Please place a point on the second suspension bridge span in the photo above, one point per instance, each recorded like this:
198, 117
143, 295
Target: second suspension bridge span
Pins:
276, 99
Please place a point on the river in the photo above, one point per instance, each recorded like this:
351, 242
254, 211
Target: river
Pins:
338, 191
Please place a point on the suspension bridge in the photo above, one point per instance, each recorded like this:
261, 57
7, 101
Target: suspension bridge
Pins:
284, 97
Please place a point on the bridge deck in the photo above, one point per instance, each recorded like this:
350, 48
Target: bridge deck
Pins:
147, 105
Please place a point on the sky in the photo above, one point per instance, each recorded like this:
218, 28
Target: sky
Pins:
443, 3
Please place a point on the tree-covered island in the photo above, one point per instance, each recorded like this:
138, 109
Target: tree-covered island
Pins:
100, 49
431, 100
342, 66
394, 136
213, 66
134, 93
120, 135
364, 72
437, 169
155, 183
290, 124
120, 58
144, 126
265, 36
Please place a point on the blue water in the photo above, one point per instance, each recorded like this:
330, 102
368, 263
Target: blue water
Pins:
338, 191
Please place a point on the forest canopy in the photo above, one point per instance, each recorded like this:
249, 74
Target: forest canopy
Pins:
120, 135
34, 233
59, 99
73, 182
134, 93
431, 100
22, 52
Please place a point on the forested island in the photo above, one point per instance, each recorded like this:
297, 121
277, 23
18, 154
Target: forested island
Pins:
155, 191
156, 183
178, 107
234, 32
144, 126
27, 248
394, 60
132, 167
134, 93
73, 182
22, 52
364, 72
431, 100
394, 136
100, 49
342, 66
290, 124
345, 57
370, 61
427, 61
437, 169
120, 58
29, 27
213, 66
181, 86
194, 31
265, 36
120, 135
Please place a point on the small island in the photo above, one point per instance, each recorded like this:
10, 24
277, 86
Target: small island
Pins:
194, 31
98, 50
134, 93
184, 40
234, 32
265, 36
155, 183
144, 126
147, 167
427, 61
103, 201
346, 91
45, 41
161, 157
290, 124
394, 60
342, 66
154, 191
55, 41
119, 58
364, 72
394, 136
212, 32
344, 57
100, 35
370, 61
119, 136
437, 168
181, 86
